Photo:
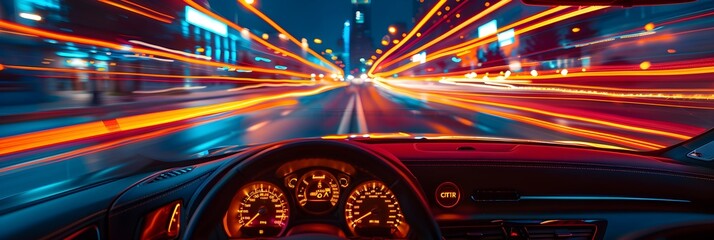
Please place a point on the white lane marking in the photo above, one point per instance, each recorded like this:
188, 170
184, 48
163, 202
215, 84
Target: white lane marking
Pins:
361, 120
345, 121
285, 113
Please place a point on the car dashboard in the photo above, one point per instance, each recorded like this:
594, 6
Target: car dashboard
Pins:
320, 193
451, 189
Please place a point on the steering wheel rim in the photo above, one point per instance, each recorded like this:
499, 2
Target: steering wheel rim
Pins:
208, 200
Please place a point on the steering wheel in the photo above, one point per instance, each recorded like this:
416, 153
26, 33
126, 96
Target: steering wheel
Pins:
209, 203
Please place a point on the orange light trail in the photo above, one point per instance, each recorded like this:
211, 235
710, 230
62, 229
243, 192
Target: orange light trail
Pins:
148, 9
254, 37
570, 98
87, 41
411, 33
17, 33
68, 70
281, 30
462, 103
627, 95
660, 72
467, 43
271, 85
80, 131
95, 148
585, 90
478, 71
481, 41
441, 37
567, 116
618, 89
583, 99
137, 11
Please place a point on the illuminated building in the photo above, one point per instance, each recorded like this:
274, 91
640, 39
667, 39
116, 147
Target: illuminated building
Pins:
360, 40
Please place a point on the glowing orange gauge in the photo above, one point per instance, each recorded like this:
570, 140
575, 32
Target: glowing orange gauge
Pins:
318, 191
259, 209
372, 210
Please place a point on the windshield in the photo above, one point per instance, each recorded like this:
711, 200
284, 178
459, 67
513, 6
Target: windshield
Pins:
98, 89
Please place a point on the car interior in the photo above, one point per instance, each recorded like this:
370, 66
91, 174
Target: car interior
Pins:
390, 186
411, 188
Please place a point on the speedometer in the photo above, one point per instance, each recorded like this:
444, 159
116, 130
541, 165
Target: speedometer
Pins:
259, 209
372, 210
318, 191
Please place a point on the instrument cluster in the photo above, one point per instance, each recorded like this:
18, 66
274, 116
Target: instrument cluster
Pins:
366, 207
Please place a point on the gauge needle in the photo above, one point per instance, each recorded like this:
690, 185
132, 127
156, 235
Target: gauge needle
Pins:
364, 216
254, 217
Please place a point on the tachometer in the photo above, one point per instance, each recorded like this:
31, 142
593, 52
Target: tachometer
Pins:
259, 209
318, 191
372, 210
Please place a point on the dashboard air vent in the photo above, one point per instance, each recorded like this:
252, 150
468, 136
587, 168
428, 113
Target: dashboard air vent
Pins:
170, 173
542, 232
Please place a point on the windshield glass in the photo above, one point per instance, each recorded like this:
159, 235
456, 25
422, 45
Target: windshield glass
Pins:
100, 89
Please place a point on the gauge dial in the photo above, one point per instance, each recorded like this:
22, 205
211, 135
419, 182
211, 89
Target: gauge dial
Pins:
318, 191
259, 209
372, 210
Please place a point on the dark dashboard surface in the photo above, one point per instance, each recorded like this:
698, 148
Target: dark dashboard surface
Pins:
474, 190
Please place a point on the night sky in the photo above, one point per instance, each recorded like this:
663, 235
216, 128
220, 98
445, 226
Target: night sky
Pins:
317, 18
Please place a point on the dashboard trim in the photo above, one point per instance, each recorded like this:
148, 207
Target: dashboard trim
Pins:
602, 198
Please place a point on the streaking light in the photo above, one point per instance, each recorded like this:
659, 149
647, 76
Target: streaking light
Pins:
149, 57
140, 10
169, 90
411, 33
280, 67
204, 21
31, 16
171, 50
287, 35
92, 129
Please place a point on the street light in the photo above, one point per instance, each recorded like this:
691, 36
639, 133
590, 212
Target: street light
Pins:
392, 30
